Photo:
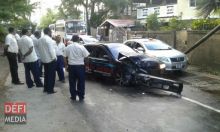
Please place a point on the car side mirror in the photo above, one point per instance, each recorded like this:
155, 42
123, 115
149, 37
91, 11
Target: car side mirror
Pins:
140, 49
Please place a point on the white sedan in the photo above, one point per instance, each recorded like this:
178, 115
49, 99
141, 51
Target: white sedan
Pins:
172, 58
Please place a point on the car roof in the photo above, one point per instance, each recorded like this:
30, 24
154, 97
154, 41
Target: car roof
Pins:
142, 40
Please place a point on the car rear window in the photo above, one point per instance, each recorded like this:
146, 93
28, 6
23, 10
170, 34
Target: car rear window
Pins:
156, 45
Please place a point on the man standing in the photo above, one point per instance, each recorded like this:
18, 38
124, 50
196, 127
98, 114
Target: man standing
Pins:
48, 58
35, 39
60, 47
76, 54
29, 59
11, 51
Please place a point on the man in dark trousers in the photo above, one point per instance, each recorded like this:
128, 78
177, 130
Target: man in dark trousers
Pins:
48, 58
29, 58
11, 51
76, 54
60, 61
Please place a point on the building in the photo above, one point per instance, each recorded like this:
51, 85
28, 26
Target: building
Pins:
114, 30
166, 9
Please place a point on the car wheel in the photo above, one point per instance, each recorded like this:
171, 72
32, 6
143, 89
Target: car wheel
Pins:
120, 80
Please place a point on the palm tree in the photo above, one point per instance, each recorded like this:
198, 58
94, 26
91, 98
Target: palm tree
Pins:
206, 7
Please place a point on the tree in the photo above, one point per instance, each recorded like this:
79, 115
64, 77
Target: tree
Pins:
14, 13
48, 19
68, 10
206, 7
14, 9
152, 22
91, 14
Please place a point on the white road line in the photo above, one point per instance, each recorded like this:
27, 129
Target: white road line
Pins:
201, 104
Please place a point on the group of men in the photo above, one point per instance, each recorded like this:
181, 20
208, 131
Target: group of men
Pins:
36, 51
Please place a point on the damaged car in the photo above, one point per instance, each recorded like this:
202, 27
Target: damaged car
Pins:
127, 67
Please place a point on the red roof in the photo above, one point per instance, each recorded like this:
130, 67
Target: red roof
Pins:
119, 22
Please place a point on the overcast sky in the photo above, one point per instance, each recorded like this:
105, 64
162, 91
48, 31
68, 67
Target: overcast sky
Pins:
43, 6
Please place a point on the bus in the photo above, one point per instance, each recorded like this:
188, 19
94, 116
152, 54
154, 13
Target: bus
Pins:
52, 28
67, 28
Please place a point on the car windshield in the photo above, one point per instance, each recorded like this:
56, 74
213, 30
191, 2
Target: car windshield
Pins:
120, 48
156, 45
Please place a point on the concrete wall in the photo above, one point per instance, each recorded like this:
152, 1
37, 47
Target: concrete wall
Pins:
206, 55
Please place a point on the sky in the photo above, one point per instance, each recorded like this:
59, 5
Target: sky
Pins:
42, 9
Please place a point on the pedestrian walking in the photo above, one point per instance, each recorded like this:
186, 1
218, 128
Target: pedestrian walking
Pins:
60, 47
35, 39
76, 54
11, 51
29, 58
48, 58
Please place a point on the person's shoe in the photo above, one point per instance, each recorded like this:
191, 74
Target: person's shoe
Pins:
51, 92
73, 98
81, 99
63, 81
39, 86
31, 86
18, 83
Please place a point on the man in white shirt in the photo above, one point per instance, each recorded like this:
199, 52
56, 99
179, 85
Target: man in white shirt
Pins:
29, 58
11, 51
76, 54
60, 47
48, 58
35, 39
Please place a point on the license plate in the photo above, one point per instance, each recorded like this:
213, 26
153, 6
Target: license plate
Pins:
178, 66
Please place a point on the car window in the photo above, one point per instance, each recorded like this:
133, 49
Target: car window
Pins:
137, 45
101, 52
156, 45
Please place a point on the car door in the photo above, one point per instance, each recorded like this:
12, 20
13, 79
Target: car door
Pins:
103, 63
89, 66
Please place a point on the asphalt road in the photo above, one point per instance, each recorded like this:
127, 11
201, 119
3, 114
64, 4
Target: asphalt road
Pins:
110, 108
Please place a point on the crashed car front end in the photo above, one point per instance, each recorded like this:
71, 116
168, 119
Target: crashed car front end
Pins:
144, 72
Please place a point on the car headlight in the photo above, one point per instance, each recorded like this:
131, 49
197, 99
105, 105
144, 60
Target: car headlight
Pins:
164, 59
162, 66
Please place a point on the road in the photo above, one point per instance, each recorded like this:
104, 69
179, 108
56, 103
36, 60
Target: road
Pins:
111, 108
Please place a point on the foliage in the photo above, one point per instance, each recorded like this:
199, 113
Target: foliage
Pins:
93, 16
14, 13
97, 18
153, 22
206, 7
14, 9
205, 24
3, 33
47, 19
68, 10
116, 7
176, 24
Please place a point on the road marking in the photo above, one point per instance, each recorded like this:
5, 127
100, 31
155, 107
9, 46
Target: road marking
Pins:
201, 104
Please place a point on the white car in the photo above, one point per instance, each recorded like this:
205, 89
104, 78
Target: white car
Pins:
172, 58
87, 39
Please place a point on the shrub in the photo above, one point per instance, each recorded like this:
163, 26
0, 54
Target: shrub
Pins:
205, 24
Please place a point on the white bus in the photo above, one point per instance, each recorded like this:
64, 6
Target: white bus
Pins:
67, 28
52, 28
